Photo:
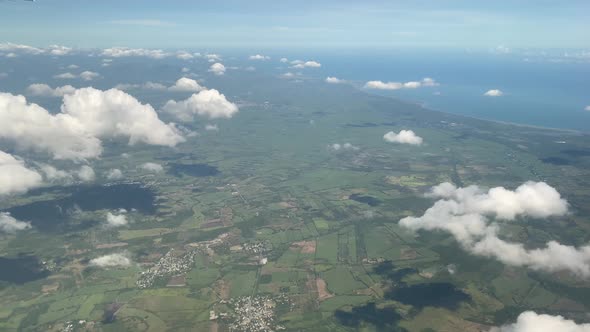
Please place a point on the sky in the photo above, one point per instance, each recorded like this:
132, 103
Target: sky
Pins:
462, 24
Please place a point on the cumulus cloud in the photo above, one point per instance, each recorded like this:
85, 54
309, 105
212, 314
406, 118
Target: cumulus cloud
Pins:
118, 52
53, 174
211, 127
466, 212
15, 177
186, 84
146, 86
209, 103
152, 167
284, 60
73, 66
345, 146
8, 224
217, 68
112, 260
59, 50
65, 76
212, 57
305, 64
45, 90
530, 321
85, 75
259, 57
493, 93
10, 47
184, 55
334, 80
380, 85
116, 220
88, 75
86, 173
587, 108
86, 116
404, 137
114, 174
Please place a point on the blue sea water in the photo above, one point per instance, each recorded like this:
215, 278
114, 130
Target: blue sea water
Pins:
539, 92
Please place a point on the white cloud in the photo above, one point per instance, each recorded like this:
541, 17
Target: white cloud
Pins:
86, 174
59, 50
111, 260
10, 47
288, 75
214, 57
73, 67
412, 85
208, 103
466, 213
114, 174
114, 113
11, 55
305, 64
85, 75
184, 55
118, 52
47, 91
380, 85
88, 75
404, 137
15, 177
530, 321
152, 167
211, 127
53, 174
217, 68
3, 75
494, 93
427, 81
259, 57
334, 80
186, 84
65, 76
116, 220
8, 224
345, 146
284, 60
587, 108
86, 116
147, 86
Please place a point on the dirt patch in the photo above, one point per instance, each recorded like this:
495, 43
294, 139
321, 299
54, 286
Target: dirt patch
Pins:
50, 288
306, 247
322, 287
111, 245
222, 288
177, 281
409, 254
287, 205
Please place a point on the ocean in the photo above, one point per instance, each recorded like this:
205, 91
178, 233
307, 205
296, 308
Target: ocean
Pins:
538, 92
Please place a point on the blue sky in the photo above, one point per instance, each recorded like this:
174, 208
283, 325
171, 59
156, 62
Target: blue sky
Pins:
297, 24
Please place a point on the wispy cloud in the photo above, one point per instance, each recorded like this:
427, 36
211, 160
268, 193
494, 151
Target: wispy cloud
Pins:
143, 22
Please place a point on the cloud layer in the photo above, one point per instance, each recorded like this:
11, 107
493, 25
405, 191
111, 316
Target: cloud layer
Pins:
404, 137
466, 214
